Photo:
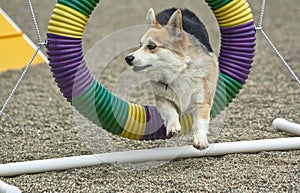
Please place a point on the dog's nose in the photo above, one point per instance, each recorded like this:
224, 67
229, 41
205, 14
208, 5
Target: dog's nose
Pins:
129, 59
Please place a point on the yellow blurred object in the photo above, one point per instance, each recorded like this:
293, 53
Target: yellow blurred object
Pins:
136, 123
16, 49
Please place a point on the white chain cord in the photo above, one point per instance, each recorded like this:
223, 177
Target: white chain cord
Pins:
260, 28
29, 63
19, 81
35, 23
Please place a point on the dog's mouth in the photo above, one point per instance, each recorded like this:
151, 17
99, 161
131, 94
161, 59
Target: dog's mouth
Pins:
140, 68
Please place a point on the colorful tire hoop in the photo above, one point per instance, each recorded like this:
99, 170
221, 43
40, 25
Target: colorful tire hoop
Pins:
130, 120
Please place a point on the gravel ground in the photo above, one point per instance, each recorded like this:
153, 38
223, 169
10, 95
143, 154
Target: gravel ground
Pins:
40, 124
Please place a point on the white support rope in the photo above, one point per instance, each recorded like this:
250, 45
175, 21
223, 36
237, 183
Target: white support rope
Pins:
19, 81
260, 29
37, 31
262, 13
40, 44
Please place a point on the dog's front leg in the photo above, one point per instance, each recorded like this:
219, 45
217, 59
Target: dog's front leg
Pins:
169, 115
201, 118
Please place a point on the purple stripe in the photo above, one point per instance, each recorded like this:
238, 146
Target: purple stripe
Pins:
239, 44
58, 64
241, 49
239, 28
63, 83
234, 64
235, 57
74, 87
61, 68
243, 75
239, 35
59, 52
66, 79
67, 65
60, 58
63, 46
59, 38
234, 76
155, 128
236, 53
77, 88
246, 39
66, 73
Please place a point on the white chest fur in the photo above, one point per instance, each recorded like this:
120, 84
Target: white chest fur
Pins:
184, 92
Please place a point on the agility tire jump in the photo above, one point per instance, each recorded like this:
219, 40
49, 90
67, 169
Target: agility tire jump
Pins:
133, 121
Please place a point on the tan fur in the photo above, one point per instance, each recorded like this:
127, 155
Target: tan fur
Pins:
182, 63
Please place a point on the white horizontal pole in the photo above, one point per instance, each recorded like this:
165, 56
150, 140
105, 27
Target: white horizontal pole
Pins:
6, 188
158, 154
286, 126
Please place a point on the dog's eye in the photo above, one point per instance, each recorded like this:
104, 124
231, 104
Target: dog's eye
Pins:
151, 46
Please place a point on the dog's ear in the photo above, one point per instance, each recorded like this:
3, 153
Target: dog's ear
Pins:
151, 19
174, 24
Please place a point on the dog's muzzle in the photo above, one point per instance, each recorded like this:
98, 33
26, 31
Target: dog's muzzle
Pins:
129, 59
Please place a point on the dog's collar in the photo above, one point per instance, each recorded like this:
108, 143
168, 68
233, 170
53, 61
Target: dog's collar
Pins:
166, 85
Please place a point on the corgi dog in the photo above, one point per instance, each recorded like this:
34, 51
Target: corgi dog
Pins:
175, 54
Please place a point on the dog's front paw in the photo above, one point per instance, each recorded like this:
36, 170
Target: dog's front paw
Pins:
173, 129
200, 140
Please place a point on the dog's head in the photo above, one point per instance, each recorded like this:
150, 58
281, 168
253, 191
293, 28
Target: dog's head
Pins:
161, 47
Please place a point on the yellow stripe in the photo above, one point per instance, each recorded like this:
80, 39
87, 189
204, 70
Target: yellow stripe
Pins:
240, 21
64, 32
62, 13
60, 22
186, 122
244, 7
136, 122
234, 13
236, 17
127, 127
72, 11
141, 122
228, 8
63, 19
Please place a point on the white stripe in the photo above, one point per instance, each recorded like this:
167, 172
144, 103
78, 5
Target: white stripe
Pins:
26, 38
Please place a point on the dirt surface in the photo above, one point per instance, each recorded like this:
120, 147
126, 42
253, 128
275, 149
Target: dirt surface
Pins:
39, 123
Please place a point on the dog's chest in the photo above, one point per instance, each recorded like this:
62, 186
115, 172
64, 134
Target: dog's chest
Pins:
183, 93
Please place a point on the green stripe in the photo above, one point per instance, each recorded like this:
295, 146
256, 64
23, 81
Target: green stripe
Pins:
83, 6
235, 85
226, 91
232, 87
102, 108
84, 104
107, 107
216, 4
219, 99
